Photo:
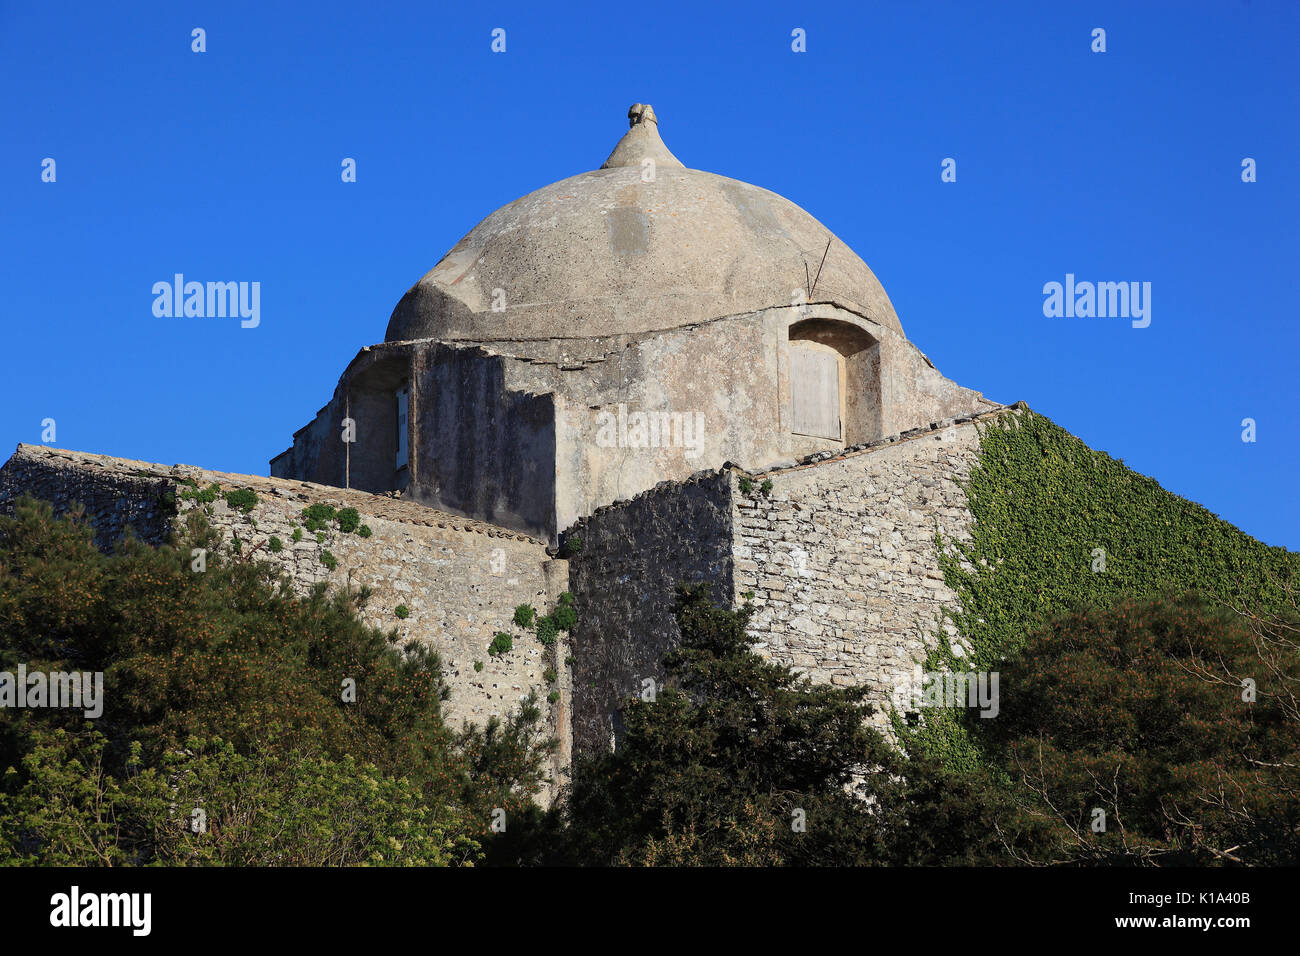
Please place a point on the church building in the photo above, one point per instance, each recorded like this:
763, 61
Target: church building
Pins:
626, 326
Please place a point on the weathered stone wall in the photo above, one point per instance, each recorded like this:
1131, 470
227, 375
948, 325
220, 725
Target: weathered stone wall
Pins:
632, 557
112, 500
482, 449
460, 579
841, 560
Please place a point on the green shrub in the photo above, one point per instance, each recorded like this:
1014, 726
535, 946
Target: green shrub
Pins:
478, 665
746, 484
549, 675
402, 611
206, 496
564, 615
546, 630
329, 560
241, 499
188, 658
275, 544
316, 516
349, 520
524, 615
364, 531
297, 534
503, 643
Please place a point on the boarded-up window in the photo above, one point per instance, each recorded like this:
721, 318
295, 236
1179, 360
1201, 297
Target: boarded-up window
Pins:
815, 393
401, 426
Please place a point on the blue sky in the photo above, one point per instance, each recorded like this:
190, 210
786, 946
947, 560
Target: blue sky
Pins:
224, 165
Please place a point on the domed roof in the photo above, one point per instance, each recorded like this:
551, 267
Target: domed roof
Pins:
635, 246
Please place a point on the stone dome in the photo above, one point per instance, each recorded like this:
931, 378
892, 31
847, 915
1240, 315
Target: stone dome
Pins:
609, 253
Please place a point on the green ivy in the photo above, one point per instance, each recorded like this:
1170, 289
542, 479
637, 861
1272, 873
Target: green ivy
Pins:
1043, 503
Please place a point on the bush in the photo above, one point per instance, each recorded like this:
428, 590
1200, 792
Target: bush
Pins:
524, 615
241, 499
565, 615
275, 544
349, 520
503, 643
316, 516
329, 560
1139, 711
547, 630
229, 688
402, 611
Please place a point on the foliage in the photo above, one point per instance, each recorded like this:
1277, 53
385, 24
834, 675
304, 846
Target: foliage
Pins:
524, 615
733, 752
502, 643
402, 611
209, 804
316, 516
241, 499
1174, 718
547, 630
232, 658
349, 520
1043, 503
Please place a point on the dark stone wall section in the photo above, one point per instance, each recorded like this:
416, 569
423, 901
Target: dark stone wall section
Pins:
633, 555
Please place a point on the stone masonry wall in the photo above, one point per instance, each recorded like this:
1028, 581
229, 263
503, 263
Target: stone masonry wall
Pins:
842, 564
113, 499
633, 555
460, 579
838, 557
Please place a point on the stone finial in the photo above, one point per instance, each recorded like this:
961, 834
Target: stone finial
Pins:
641, 142
641, 113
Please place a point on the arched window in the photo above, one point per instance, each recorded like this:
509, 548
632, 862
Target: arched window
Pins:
834, 381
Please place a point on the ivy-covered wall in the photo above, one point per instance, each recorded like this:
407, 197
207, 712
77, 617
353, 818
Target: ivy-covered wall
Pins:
1056, 526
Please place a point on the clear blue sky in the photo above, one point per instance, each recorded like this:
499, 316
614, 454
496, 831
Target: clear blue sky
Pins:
225, 166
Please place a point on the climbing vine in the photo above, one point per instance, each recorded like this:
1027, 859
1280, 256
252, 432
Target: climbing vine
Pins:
1059, 527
